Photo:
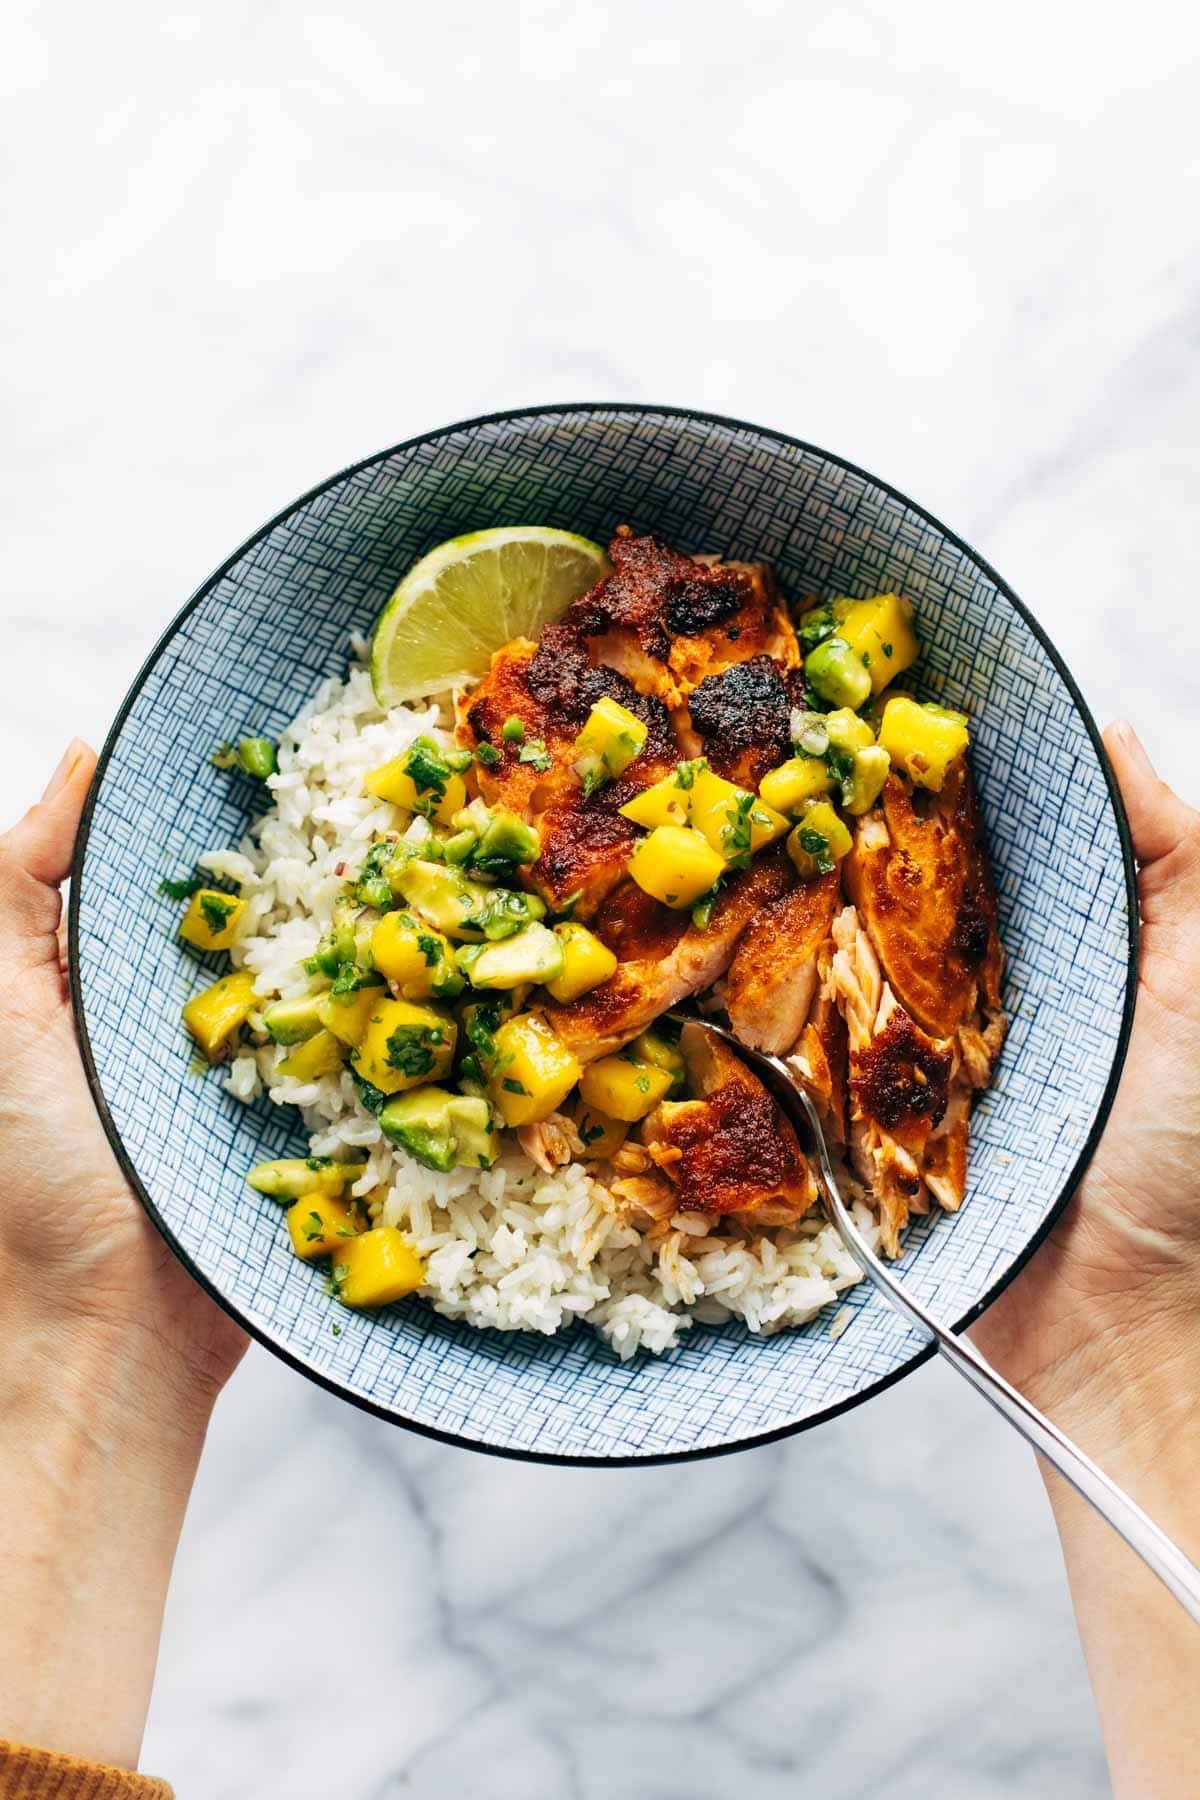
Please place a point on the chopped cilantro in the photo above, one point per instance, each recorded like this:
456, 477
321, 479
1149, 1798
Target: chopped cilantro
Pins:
735, 836
371, 886
686, 772
373, 1098
409, 1048
430, 949
216, 912
318, 1162
427, 769
866, 659
642, 1084
180, 890
488, 755
336, 1329
589, 1134
594, 779
513, 1087
536, 755
317, 1230
223, 757
888, 650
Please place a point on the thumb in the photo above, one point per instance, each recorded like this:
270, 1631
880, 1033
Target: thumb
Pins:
1166, 836
35, 856
1159, 821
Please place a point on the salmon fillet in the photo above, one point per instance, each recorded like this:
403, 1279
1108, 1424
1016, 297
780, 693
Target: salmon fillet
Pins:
772, 981
730, 1150
664, 958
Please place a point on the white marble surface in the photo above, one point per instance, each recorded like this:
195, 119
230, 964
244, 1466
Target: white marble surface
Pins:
246, 244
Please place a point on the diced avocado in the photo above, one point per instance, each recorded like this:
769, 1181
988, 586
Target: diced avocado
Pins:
339, 943
864, 784
459, 848
291, 1021
291, 1177
505, 843
534, 954
441, 1129
256, 756
444, 896
821, 621
476, 1140
846, 731
837, 674
420, 1121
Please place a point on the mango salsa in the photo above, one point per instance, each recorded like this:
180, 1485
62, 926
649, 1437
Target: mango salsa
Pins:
922, 740
393, 781
318, 1055
624, 1087
611, 737
347, 1015
416, 957
665, 802
789, 787
404, 1046
819, 841
735, 822
532, 1070
211, 920
676, 864
586, 963
880, 633
214, 1016
376, 1268
320, 1224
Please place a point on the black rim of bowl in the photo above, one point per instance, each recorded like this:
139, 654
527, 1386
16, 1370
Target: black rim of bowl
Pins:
393, 1415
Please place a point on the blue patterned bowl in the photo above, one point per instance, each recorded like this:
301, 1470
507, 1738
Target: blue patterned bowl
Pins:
254, 642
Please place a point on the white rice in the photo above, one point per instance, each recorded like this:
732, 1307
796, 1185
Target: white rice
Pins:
507, 1247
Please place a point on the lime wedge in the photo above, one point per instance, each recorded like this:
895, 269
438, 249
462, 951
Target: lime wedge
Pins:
465, 599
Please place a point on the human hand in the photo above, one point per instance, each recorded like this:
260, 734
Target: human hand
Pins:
76, 1248
1100, 1328
113, 1355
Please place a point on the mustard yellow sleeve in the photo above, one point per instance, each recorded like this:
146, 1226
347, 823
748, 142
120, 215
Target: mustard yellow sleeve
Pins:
27, 1774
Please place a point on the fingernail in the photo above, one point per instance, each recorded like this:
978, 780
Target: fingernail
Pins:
1133, 746
61, 775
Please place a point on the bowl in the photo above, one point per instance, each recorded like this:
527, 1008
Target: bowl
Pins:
252, 645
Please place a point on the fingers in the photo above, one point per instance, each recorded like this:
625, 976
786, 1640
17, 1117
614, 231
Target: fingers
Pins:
1160, 822
35, 856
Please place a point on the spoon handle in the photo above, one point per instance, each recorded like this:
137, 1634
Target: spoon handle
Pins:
1157, 1551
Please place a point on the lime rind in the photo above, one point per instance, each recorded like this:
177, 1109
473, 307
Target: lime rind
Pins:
467, 597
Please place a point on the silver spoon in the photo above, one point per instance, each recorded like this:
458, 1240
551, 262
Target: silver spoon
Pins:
1154, 1547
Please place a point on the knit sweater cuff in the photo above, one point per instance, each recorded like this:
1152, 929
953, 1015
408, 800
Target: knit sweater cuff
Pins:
27, 1774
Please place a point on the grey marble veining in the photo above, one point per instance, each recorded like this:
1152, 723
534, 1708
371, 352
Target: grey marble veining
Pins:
248, 244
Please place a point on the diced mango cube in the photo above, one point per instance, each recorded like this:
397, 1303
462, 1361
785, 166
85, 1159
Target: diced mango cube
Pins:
795, 782
211, 920
215, 1015
611, 737
318, 1055
405, 1045
676, 864
532, 1070
416, 957
880, 633
819, 841
624, 1087
922, 740
376, 1268
393, 782
320, 1224
600, 1135
347, 1015
663, 803
586, 963
735, 821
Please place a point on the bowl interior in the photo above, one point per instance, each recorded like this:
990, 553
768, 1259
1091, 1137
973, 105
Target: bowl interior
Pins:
250, 649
